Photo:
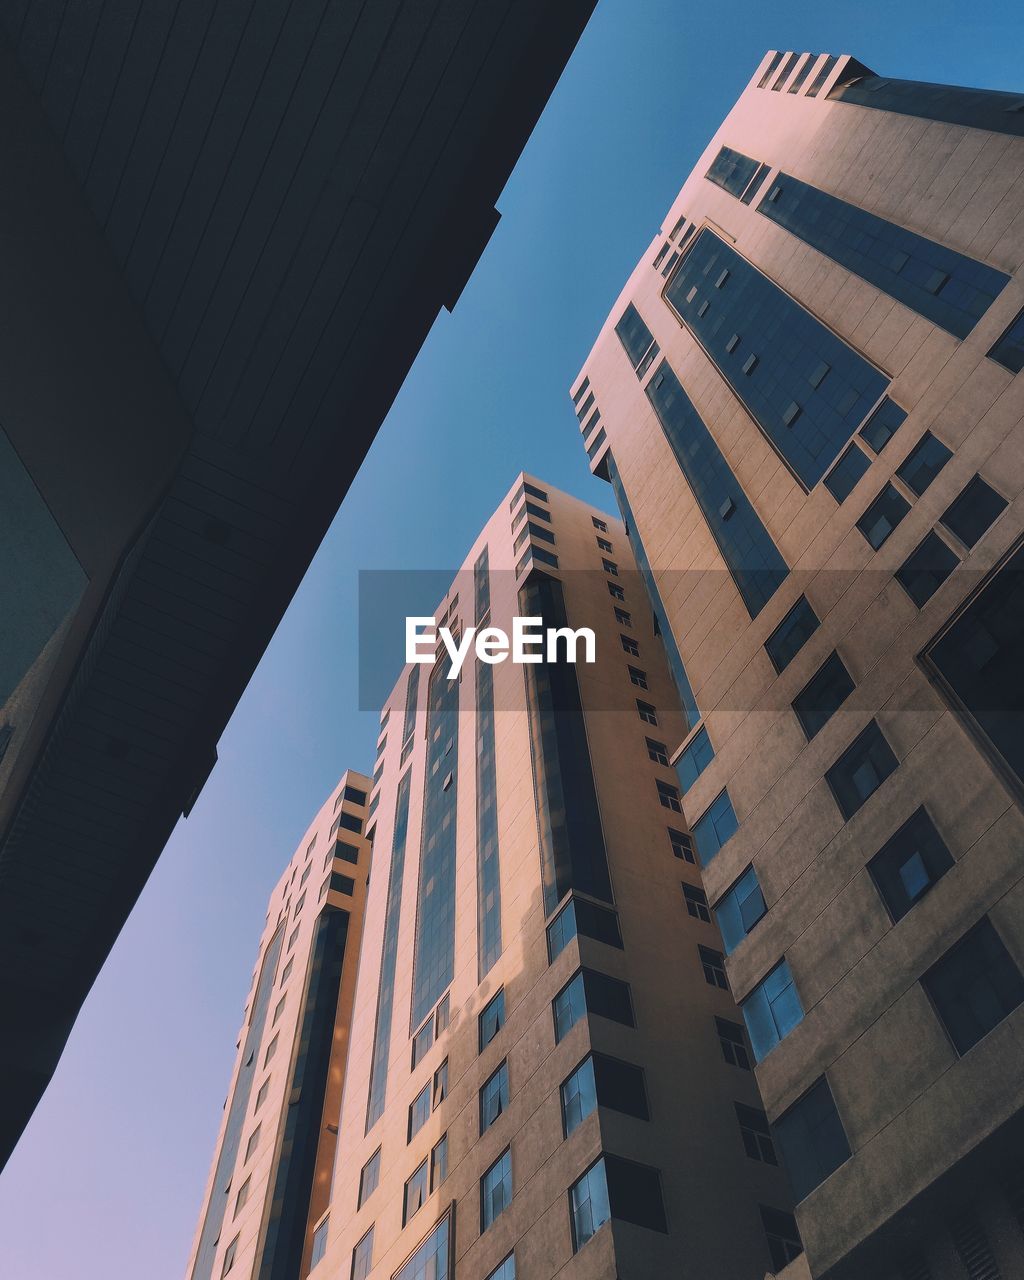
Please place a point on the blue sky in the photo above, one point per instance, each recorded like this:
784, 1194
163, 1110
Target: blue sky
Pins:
107, 1181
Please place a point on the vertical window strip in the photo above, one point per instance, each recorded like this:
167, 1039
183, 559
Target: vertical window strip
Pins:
488, 864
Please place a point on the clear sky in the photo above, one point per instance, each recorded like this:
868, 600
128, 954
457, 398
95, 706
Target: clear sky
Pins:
107, 1181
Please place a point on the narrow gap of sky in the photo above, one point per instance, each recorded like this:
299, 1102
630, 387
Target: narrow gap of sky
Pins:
107, 1181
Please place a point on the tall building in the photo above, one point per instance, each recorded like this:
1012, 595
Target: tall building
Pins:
546, 1075
226, 232
808, 402
271, 1172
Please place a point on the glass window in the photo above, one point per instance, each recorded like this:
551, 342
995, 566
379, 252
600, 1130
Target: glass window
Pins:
713, 964
884, 514
440, 1089
883, 424
769, 70
714, 827
347, 852
615, 591
599, 524
253, 1143
970, 514
261, 1097
581, 391
682, 845
634, 335
229, 1256
611, 567
823, 73
926, 568
580, 915
792, 633
419, 1112
811, 1139
569, 1006
494, 1097
696, 903
243, 1196
823, 695
355, 795
362, 1257
657, 751
637, 677
492, 1019
439, 1162
861, 769
589, 1206
757, 1137
694, 759
350, 822
634, 1192
319, 1243
431, 1260
496, 1189
416, 1191
909, 863
422, 1042
974, 986
369, 1177
668, 796
733, 1043
780, 1230
623, 618
772, 1010
1009, 350
732, 171
593, 992
739, 909
505, 1270
843, 477
579, 1096
923, 463
647, 712
630, 646
442, 1015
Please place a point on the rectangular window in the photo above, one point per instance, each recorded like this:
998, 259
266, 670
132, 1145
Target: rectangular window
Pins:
319, 1247
422, 1042
362, 1257
355, 795
580, 915
505, 1270
630, 646
769, 70
271, 1050
909, 863
634, 335
772, 1010
439, 1162
811, 1139
599, 524
694, 759
882, 517
637, 677
229, 1257
823, 73
696, 902
780, 1230
594, 448
883, 424
243, 1196
757, 1137
732, 171
861, 770
713, 964
733, 1043
252, 1144
419, 1112
494, 1097
588, 1205
591, 992
646, 712
579, 1096
416, 1191
923, 463
714, 827
657, 751
492, 1019
971, 513
261, 1097
926, 569
611, 567
974, 986
792, 633
604, 1081
369, 1177
668, 796
739, 909
754, 185
682, 845
823, 695
1009, 350
347, 852
350, 822
604, 544
496, 1189
440, 1090
433, 1257
842, 479
581, 391
615, 591
623, 618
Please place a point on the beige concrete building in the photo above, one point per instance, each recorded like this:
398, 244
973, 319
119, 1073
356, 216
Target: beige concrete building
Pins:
546, 1075
808, 400
271, 1173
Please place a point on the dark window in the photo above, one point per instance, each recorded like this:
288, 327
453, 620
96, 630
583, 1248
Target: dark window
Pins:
696, 903
732, 171
861, 769
369, 1177
883, 424
823, 73
533, 510
792, 633
350, 822
757, 1137
579, 915
440, 1091
739, 909
733, 1043
926, 569
714, 827
637, 677
347, 852
355, 795
978, 662
630, 646
970, 514
319, 1246
620, 1086
432, 1256
823, 695
783, 1238
604, 544
713, 964
579, 1096
229, 1257
439, 1162
611, 567
623, 618
496, 1190
362, 1257
569, 1006
594, 448
599, 524
615, 591
634, 335
492, 1019
884, 514
657, 751
923, 463
772, 1010
909, 863
811, 1139
668, 796
841, 480
581, 391
419, 1112
494, 1097
1009, 350
682, 845
974, 986
417, 1188
646, 712
592, 992
754, 185
790, 63
694, 759
769, 70
798, 80
634, 1193
442, 1015
342, 884
422, 1041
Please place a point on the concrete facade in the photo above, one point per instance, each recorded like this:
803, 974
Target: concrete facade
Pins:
932, 1184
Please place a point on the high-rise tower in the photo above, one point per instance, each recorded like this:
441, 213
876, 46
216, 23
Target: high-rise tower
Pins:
808, 401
